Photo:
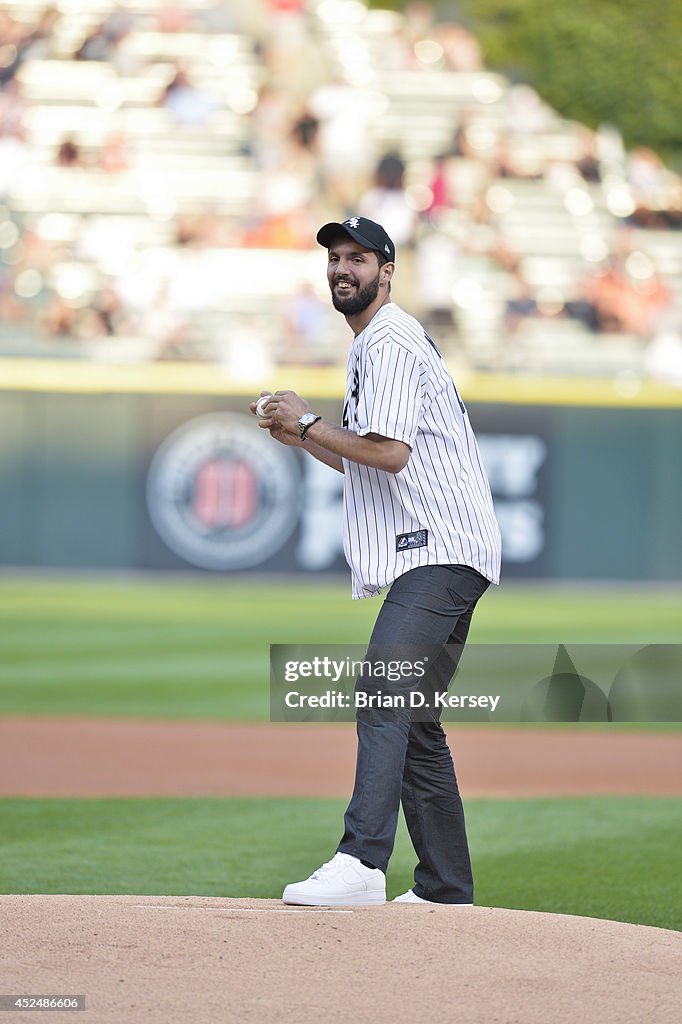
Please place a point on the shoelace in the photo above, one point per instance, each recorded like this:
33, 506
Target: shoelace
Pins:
327, 868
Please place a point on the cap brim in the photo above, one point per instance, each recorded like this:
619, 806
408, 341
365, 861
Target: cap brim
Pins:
327, 234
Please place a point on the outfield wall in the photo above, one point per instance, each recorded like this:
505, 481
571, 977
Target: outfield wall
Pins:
172, 477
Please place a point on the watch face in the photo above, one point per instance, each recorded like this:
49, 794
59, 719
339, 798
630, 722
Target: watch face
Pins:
305, 421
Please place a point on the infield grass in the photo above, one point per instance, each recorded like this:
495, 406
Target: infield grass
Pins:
615, 857
199, 648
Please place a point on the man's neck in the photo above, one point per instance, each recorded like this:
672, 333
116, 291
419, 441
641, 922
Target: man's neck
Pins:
358, 323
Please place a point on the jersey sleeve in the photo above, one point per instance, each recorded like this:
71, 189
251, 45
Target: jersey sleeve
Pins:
391, 393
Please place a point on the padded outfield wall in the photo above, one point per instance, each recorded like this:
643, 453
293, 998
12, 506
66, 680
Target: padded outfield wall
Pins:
164, 468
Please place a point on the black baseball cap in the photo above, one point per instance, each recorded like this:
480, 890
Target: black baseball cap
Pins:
360, 229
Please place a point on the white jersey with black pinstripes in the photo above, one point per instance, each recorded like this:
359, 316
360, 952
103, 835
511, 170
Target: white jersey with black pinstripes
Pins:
438, 510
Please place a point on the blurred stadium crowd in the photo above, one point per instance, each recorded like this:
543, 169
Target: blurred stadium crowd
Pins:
164, 167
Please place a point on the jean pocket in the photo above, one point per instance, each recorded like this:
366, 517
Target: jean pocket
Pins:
466, 584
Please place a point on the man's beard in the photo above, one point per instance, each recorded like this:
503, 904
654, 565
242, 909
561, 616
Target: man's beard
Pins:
358, 301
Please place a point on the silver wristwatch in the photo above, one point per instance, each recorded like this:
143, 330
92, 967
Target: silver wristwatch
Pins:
306, 421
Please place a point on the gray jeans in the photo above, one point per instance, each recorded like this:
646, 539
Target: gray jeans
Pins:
403, 754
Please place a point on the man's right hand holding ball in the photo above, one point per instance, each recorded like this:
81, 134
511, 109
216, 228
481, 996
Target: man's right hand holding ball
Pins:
264, 408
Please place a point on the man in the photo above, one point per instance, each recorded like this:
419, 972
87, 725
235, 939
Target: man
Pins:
418, 519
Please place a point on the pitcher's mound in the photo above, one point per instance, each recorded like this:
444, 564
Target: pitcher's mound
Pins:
200, 959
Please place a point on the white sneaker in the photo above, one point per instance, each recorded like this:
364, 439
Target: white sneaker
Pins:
411, 897
342, 881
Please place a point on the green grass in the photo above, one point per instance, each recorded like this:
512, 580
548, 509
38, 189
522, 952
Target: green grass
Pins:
199, 648
611, 858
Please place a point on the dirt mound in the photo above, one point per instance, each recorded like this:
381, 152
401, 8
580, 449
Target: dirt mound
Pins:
198, 959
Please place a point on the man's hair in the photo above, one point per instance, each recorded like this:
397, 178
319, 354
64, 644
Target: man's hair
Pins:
382, 259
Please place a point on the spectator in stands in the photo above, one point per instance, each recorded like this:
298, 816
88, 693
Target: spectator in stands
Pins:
308, 143
386, 201
663, 354
396, 53
10, 49
627, 295
163, 325
286, 221
270, 123
171, 17
18, 43
13, 111
109, 316
290, 52
59, 320
276, 7
437, 265
223, 16
12, 312
525, 112
589, 164
657, 192
346, 141
647, 176
69, 153
671, 217
301, 158
14, 151
461, 145
188, 105
507, 257
420, 21
510, 163
305, 131
308, 329
37, 42
461, 49
103, 41
581, 309
521, 303
115, 156
194, 230
441, 190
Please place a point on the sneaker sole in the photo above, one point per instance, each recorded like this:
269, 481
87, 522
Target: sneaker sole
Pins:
360, 899
431, 903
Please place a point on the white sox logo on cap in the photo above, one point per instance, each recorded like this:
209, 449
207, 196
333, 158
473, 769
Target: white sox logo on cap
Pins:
353, 222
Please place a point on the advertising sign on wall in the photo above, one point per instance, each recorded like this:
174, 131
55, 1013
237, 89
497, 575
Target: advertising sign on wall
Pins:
185, 481
223, 495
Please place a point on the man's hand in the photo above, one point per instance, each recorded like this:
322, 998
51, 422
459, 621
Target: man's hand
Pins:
268, 422
253, 406
287, 407
284, 437
327, 442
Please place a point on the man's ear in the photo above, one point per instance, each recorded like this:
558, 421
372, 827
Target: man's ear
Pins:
387, 272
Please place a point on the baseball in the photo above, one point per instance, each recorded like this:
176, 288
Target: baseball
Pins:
260, 406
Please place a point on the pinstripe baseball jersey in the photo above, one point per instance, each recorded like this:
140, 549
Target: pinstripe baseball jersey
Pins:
438, 510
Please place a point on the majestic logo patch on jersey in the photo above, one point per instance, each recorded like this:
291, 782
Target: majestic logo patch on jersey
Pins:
405, 541
352, 222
